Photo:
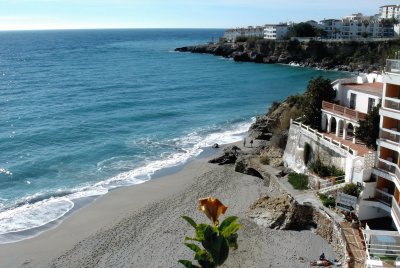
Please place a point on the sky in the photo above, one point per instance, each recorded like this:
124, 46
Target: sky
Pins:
92, 14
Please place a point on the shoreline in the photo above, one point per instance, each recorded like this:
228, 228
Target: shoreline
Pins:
82, 202
140, 226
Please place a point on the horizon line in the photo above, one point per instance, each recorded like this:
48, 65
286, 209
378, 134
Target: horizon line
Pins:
114, 28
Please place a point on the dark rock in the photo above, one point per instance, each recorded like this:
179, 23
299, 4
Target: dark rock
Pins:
241, 56
229, 157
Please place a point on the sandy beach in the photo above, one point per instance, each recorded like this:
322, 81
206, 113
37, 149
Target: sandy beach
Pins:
140, 226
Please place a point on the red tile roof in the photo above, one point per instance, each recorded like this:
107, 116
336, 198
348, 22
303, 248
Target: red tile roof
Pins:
371, 88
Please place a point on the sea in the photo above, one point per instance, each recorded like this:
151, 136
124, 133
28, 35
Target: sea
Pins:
83, 112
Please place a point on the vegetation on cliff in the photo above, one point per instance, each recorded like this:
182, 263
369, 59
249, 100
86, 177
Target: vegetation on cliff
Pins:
348, 56
298, 181
304, 29
275, 124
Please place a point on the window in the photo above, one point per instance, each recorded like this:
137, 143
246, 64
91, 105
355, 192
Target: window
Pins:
353, 100
371, 104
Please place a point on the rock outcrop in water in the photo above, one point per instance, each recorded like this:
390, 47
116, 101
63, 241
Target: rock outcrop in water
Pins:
347, 56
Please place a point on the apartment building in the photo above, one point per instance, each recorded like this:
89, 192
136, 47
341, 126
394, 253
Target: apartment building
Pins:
389, 12
231, 35
387, 171
275, 31
357, 26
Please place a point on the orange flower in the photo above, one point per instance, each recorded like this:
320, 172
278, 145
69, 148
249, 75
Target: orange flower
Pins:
212, 207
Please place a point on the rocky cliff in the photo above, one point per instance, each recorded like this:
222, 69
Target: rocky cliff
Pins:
346, 56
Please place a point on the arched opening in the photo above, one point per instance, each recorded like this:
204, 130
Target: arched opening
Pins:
333, 125
340, 126
324, 123
350, 131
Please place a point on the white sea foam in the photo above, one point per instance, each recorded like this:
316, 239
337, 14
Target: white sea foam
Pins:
33, 214
5, 171
189, 146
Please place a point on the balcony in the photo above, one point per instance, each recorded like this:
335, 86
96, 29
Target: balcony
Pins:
396, 213
393, 66
383, 197
391, 168
387, 166
343, 111
392, 103
390, 135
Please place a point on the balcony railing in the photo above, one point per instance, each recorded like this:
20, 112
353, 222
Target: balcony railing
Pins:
383, 197
389, 167
392, 103
344, 111
396, 210
390, 135
393, 66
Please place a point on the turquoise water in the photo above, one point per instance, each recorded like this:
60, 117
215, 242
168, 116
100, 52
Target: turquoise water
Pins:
86, 111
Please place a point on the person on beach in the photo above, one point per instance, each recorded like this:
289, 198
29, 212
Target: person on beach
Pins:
251, 143
244, 142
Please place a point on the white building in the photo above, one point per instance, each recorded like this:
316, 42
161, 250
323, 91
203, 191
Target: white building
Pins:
355, 98
389, 12
231, 35
275, 31
336, 143
356, 26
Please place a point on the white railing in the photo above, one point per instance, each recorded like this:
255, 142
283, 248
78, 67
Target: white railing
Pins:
342, 40
390, 135
343, 111
389, 167
391, 103
383, 197
325, 138
396, 210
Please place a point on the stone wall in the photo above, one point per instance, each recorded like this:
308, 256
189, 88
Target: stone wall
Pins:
328, 229
328, 153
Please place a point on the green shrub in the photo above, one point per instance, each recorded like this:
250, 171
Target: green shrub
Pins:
327, 201
298, 181
335, 172
325, 171
273, 107
351, 189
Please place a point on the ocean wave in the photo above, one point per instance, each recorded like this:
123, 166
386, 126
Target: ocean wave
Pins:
5, 172
34, 215
42, 208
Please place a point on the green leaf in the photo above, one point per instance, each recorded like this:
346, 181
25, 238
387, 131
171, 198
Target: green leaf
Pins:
188, 264
231, 229
193, 247
202, 255
232, 240
207, 264
191, 239
227, 222
190, 221
200, 229
216, 245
